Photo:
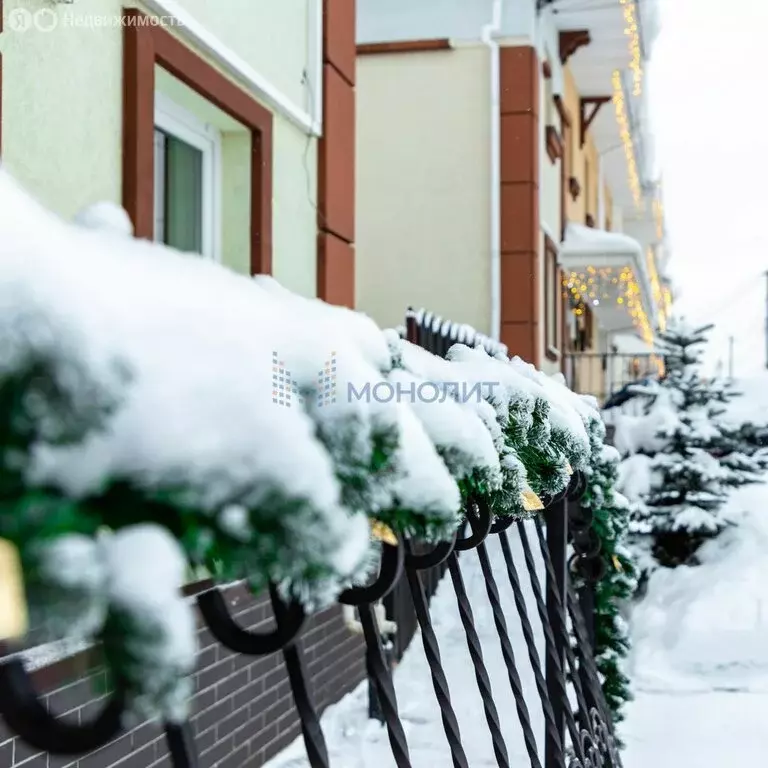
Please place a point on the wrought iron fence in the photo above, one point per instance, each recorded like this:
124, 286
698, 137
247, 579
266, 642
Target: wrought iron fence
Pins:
579, 736
604, 374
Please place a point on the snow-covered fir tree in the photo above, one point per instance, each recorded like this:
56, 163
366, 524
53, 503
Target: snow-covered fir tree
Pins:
739, 454
689, 485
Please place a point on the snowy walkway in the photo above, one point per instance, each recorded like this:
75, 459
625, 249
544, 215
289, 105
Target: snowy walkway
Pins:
700, 664
708, 729
699, 668
355, 742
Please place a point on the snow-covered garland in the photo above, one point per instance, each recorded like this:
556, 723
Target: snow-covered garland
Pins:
610, 520
160, 412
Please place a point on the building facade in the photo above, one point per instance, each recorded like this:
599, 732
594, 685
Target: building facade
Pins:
505, 160
223, 128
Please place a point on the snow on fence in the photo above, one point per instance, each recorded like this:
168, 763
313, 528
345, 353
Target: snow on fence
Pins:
135, 441
248, 705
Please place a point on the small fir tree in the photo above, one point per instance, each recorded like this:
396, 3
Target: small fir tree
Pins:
740, 458
689, 487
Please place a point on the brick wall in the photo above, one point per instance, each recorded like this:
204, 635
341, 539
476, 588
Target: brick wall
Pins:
243, 708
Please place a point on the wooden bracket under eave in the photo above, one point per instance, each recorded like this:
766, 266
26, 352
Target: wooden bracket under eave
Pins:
554, 144
571, 40
404, 46
546, 69
586, 117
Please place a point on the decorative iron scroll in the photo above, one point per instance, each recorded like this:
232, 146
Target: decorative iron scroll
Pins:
584, 740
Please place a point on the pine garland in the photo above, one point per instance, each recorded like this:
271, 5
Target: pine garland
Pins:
610, 520
303, 525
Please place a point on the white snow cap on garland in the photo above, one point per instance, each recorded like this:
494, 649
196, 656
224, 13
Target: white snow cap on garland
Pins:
465, 428
146, 572
565, 406
129, 582
362, 358
106, 216
496, 378
198, 409
453, 428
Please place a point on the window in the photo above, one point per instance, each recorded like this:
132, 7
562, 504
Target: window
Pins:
187, 181
552, 300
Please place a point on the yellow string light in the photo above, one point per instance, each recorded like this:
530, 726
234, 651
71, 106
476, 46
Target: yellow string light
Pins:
658, 216
667, 301
596, 285
656, 290
626, 137
632, 31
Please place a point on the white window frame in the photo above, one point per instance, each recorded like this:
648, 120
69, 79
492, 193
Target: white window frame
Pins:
183, 125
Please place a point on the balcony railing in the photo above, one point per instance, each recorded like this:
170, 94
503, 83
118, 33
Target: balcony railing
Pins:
603, 374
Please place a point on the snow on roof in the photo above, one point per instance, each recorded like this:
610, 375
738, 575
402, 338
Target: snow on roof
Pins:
588, 241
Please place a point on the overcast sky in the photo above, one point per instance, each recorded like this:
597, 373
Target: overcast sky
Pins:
707, 86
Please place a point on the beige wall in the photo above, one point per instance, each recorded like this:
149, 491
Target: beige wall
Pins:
590, 187
584, 160
62, 119
423, 185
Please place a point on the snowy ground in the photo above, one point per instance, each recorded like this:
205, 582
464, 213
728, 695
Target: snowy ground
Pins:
699, 667
356, 742
700, 661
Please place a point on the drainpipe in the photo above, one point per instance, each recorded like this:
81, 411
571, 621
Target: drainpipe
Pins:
488, 36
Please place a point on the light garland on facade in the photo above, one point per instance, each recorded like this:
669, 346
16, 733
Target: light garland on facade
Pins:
606, 284
653, 275
626, 138
667, 301
658, 217
632, 31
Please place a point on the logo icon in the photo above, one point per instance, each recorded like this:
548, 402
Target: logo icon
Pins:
285, 389
19, 20
326, 383
46, 19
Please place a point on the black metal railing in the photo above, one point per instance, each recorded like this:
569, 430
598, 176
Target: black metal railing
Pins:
437, 335
574, 737
604, 374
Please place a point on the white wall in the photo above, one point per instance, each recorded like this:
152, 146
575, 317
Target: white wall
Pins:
379, 21
62, 115
423, 185
272, 36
